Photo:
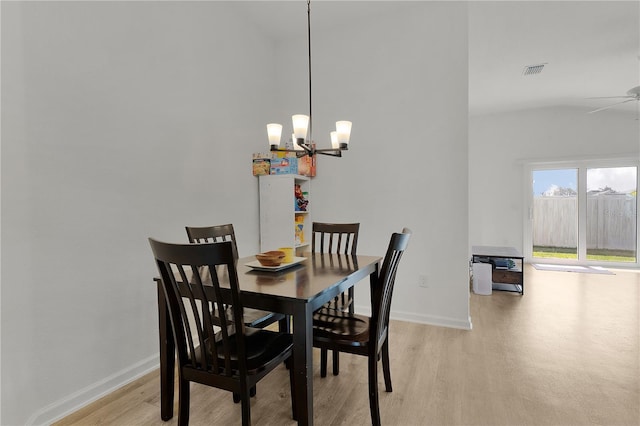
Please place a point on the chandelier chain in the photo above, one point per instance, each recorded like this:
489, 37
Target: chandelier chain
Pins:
309, 47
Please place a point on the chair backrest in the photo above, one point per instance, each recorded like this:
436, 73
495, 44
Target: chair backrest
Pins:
191, 281
212, 234
334, 237
381, 294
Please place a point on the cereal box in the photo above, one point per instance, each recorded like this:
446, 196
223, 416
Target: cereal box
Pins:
284, 166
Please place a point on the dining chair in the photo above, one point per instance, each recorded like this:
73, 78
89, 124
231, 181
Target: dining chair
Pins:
335, 238
212, 349
253, 317
367, 336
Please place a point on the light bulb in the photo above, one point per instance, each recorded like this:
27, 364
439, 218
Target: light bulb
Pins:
334, 140
300, 125
343, 129
274, 132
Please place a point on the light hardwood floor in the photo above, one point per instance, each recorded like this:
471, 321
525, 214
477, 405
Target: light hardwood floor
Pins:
564, 354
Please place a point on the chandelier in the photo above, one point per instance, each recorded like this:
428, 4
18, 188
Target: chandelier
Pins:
302, 124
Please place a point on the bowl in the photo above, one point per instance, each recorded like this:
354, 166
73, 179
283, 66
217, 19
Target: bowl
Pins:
271, 258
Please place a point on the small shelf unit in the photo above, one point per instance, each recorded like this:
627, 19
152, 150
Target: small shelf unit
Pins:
278, 215
504, 279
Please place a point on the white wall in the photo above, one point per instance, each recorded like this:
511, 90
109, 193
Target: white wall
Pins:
128, 120
501, 144
120, 121
401, 78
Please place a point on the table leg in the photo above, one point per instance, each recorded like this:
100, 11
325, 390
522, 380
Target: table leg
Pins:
167, 358
303, 362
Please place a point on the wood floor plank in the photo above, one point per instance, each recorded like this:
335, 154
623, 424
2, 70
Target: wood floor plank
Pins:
566, 353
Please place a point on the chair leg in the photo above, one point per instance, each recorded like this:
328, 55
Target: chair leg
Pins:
246, 406
373, 391
336, 362
184, 397
284, 325
323, 362
236, 396
386, 367
294, 411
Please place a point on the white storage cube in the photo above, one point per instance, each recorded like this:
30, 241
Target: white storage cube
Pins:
482, 278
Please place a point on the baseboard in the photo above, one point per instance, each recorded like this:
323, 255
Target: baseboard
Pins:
63, 407
423, 319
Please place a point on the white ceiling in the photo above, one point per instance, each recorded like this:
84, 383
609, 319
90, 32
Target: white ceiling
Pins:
591, 48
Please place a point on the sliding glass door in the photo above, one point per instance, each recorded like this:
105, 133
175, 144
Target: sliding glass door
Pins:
555, 213
611, 219
583, 212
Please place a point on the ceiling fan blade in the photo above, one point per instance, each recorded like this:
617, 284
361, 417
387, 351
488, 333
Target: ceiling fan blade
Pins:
612, 105
611, 97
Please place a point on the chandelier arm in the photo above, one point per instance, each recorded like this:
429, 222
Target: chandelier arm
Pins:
310, 151
297, 151
331, 152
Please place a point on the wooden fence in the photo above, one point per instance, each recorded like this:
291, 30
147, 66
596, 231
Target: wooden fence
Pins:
611, 222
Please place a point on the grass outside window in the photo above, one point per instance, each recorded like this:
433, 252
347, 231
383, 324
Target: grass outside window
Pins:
571, 253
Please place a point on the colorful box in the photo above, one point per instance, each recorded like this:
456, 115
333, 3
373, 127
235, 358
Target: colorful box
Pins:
284, 166
307, 166
279, 163
299, 231
261, 166
261, 163
300, 199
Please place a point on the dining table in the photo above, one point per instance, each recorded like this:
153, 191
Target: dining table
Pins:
297, 290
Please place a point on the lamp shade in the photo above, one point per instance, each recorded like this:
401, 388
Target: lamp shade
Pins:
343, 130
334, 140
274, 132
300, 125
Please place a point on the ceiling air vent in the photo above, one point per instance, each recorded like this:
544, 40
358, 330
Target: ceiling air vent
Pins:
533, 69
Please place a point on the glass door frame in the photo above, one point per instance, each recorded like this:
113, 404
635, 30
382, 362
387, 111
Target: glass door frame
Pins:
581, 166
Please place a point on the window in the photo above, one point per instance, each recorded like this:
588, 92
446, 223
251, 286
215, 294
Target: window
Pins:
555, 213
611, 223
583, 212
